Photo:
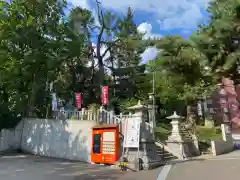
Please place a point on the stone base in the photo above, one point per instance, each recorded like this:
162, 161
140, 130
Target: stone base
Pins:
146, 158
183, 149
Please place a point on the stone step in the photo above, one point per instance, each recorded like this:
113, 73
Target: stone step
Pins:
166, 156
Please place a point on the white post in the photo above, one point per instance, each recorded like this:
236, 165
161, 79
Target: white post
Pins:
226, 132
82, 112
101, 114
121, 123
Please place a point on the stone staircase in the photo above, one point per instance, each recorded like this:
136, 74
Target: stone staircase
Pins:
187, 135
165, 155
205, 148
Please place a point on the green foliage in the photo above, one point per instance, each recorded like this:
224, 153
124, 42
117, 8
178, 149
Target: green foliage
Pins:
93, 106
29, 34
39, 46
179, 70
219, 40
126, 104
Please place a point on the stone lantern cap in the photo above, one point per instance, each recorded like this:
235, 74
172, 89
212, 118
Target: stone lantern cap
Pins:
138, 106
174, 116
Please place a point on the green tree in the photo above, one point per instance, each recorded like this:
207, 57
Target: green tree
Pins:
181, 74
219, 40
30, 34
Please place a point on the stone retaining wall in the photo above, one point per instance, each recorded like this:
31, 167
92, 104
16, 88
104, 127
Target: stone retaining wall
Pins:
69, 139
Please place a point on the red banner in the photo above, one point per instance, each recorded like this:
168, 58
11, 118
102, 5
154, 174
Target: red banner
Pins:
78, 100
105, 95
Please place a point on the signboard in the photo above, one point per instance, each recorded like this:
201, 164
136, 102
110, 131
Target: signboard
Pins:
105, 95
132, 132
78, 100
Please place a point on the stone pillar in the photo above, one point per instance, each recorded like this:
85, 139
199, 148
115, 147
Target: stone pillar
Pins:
147, 157
226, 132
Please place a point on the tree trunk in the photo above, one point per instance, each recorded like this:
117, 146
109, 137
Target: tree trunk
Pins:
101, 71
191, 118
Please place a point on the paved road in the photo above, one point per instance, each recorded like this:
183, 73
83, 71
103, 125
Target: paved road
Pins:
28, 167
220, 168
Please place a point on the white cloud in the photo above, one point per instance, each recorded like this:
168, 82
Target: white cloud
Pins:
81, 3
185, 20
146, 29
170, 13
149, 54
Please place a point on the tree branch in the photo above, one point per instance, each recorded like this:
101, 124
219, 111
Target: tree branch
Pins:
111, 44
106, 51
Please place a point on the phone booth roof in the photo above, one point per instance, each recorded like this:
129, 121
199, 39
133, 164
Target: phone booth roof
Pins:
105, 126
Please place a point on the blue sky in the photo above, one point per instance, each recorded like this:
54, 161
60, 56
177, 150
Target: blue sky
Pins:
157, 17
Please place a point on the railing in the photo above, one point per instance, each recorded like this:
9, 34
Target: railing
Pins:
101, 116
90, 115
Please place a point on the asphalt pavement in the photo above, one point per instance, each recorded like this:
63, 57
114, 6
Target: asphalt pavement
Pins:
29, 167
222, 167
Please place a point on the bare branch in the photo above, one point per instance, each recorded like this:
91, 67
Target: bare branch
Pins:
111, 44
106, 51
98, 10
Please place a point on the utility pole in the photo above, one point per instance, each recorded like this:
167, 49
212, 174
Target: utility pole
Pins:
154, 101
152, 97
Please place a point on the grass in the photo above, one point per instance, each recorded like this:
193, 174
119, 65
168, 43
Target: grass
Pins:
204, 133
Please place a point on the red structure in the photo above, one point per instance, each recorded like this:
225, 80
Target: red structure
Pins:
105, 144
225, 102
78, 100
105, 95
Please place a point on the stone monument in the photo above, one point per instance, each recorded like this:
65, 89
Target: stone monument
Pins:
146, 156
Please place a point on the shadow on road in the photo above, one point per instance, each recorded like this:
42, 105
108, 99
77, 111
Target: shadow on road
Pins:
173, 162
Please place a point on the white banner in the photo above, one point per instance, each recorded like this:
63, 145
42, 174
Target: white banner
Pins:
132, 132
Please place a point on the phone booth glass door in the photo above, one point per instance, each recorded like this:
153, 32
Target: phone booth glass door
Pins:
97, 143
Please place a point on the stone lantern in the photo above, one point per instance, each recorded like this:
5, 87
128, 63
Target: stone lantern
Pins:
176, 130
139, 110
180, 141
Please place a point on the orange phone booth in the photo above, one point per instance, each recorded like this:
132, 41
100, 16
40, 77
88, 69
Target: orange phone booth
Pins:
105, 144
